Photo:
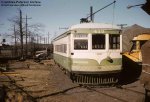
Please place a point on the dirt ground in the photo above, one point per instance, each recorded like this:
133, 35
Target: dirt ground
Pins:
29, 81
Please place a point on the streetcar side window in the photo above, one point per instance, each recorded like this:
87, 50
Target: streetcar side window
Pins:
114, 41
61, 48
80, 44
98, 41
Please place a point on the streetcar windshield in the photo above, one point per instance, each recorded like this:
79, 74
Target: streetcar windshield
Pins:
98, 41
114, 41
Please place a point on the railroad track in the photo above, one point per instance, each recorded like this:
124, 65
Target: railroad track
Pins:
96, 89
17, 87
127, 89
92, 88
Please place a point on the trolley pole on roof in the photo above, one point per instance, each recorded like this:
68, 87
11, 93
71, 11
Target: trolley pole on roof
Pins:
100, 9
91, 12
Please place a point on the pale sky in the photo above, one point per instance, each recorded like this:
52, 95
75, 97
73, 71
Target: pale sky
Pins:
55, 14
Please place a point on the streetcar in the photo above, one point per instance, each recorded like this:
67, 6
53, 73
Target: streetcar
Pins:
90, 53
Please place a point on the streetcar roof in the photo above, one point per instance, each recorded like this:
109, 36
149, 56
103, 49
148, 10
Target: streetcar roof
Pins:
94, 26
90, 25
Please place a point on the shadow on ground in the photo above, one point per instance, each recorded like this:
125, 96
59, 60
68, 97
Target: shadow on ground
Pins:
131, 71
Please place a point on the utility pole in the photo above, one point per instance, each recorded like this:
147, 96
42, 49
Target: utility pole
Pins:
29, 42
29, 37
15, 40
121, 25
40, 42
40, 39
33, 46
48, 37
44, 42
37, 38
21, 35
26, 35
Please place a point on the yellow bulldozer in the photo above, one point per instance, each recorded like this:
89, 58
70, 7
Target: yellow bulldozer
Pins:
135, 53
140, 54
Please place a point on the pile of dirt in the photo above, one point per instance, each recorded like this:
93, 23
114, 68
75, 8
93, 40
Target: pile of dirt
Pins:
129, 32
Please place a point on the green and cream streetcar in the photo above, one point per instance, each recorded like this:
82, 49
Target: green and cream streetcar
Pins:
90, 53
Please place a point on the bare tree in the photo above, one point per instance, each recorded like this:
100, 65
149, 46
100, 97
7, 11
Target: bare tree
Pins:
21, 30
